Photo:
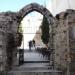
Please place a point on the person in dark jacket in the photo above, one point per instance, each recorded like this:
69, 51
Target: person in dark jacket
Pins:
30, 45
34, 43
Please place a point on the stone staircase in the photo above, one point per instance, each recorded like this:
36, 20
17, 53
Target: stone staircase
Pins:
34, 73
34, 64
34, 69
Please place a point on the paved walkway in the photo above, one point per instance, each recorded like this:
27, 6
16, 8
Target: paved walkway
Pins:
34, 56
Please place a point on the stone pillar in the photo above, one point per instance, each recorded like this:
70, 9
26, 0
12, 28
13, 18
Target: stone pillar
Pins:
11, 50
3, 56
64, 42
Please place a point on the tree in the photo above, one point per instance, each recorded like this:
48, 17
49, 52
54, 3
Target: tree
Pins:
19, 35
45, 31
20, 30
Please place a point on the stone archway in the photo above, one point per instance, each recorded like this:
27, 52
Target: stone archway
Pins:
39, 8
12, 21
35, 7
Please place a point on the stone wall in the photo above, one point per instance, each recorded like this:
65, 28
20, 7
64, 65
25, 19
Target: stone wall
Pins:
8, 48
9, 23
64, 41
3, 56
71, 23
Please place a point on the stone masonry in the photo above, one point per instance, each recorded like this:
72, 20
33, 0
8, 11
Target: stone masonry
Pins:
64, 41
2, 50
7, 40
9, 23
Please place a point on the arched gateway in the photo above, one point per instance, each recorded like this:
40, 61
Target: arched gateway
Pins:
12, 20
36, 7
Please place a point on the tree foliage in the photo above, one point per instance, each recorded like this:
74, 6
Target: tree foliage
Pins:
20, 30
45, 31
19, 35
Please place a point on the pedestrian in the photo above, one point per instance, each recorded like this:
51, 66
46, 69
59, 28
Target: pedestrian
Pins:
34, 43
30, 45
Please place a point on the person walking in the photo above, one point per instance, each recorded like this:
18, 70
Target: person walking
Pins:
34, 43
30, 45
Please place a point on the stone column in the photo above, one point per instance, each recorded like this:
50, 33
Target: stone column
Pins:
3, 56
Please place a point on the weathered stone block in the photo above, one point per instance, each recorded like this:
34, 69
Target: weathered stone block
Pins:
64, 41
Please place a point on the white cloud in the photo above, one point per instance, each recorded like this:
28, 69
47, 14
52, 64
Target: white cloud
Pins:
61, 5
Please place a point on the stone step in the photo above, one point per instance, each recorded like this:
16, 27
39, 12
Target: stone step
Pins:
33, 68
39, 61
38, 72
35, 64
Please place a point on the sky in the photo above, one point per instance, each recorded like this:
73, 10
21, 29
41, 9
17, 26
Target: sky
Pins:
61, 5
16, 5
55, 6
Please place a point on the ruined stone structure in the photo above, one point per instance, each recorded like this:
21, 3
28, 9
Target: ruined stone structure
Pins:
9, 23
62, 37
64, 41
7, 39
2, 49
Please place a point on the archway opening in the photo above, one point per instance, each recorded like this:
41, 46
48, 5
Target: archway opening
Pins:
32, 30
30, 26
